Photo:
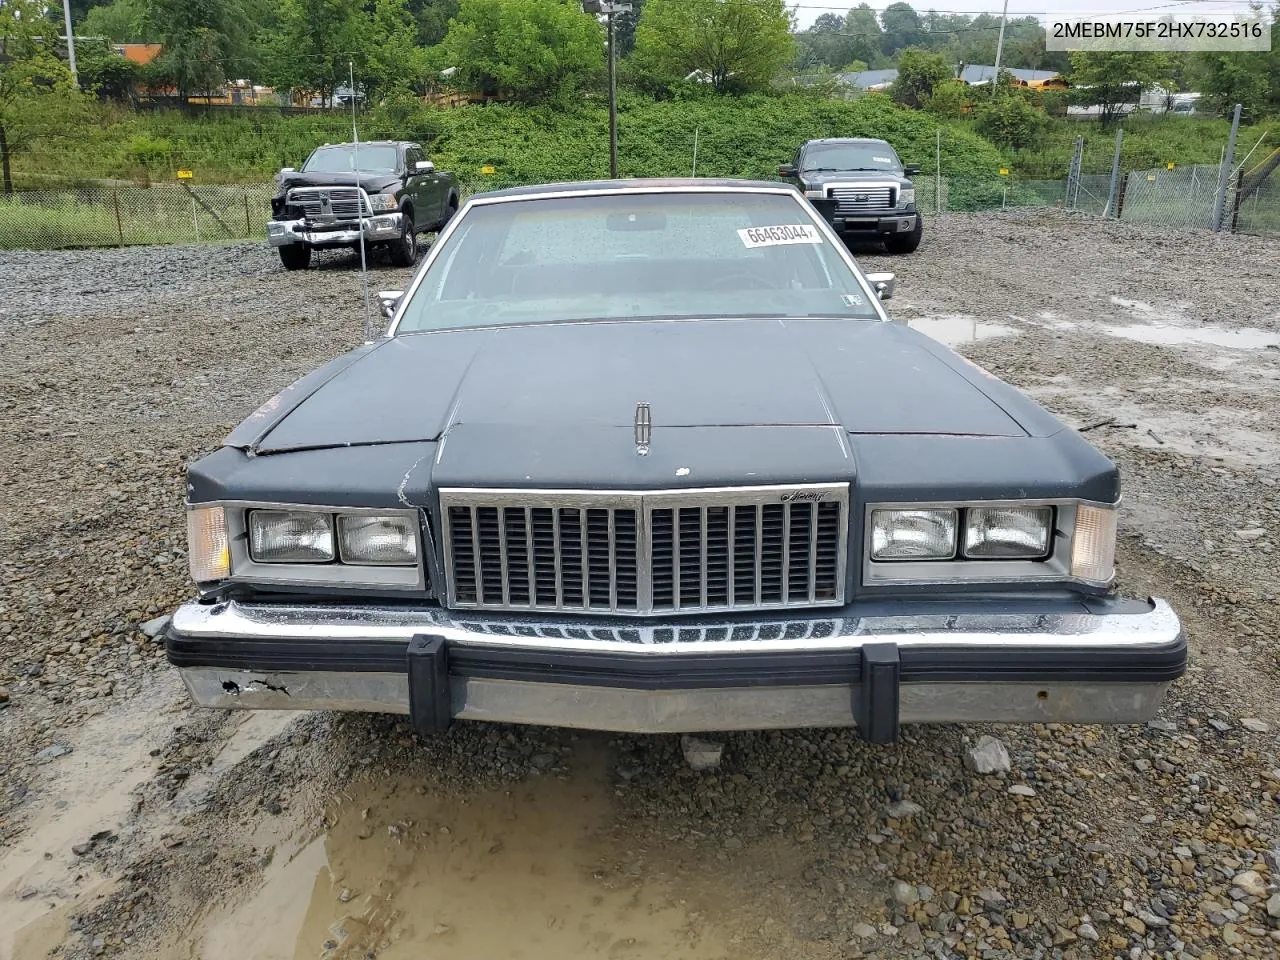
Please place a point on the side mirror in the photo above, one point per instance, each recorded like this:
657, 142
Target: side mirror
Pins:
423, 166
388, 300
787, 170
911, 170
882, 284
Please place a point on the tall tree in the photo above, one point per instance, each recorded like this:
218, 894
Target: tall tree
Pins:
902, 27
1111, 79
919, 71
205, 42
124, 21
395, 61
37, 95
316, 41
863, 30
433, 18
525, 49
737, 45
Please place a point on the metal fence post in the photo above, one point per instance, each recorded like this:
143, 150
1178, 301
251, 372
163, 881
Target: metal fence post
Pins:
1124, 186
1235, 206
248, 227
115, 196
1073, 177
1112, 207
937, 173
195, 218
1224, 174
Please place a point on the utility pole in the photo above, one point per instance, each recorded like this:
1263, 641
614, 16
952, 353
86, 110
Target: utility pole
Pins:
1000, 41
609, 8
71, 43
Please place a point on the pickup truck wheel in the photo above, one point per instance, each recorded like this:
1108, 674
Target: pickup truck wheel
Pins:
906, 242
295, 256
404, 252
448, 213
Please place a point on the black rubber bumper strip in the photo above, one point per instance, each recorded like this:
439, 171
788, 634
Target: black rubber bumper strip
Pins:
655, 671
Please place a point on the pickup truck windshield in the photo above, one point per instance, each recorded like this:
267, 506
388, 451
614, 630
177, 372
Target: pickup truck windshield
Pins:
634, 256
373, 159
836, 157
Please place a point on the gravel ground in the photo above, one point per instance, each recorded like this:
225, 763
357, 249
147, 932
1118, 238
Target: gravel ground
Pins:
134, 826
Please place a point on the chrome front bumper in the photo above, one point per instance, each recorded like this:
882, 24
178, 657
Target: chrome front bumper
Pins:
377, 229
872, 672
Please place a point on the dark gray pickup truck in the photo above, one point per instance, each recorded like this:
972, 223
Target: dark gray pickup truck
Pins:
862, 189
386, 191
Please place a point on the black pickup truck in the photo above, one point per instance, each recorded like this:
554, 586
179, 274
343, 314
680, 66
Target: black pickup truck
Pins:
388, 187
862, 189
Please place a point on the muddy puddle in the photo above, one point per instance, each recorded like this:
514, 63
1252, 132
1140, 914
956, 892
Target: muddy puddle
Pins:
1161, 334
955, 329
403, 870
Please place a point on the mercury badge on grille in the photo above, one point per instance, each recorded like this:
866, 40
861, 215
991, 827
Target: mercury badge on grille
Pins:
644, 429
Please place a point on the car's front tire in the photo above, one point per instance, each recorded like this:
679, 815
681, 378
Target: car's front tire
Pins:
295, 256
906, 242
404, 252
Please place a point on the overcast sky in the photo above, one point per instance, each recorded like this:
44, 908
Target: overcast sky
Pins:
809, 10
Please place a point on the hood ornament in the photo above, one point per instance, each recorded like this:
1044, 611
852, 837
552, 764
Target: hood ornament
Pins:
644, 429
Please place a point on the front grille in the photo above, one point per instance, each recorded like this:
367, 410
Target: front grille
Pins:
679, 551
328, 203
859, 198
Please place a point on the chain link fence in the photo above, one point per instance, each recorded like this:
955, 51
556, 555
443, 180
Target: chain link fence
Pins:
121, 214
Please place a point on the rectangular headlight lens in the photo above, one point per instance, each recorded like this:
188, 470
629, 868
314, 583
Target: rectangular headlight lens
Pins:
382, 201
290, 536
385, 540
208, 549
1093, 549
1007, 533
906, 195
913, 534
815, 194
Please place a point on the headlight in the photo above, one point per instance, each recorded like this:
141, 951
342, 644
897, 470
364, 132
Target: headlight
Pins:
815, 194
208, 549
1007, 533
906, 195
390, 540
1093, 548
382, 202
290, 536
913, 534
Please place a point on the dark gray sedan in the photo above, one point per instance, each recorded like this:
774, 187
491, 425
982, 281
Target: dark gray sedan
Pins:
651, 456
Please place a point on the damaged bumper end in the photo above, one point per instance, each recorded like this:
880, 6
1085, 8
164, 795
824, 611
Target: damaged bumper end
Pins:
342, 233
1085, 662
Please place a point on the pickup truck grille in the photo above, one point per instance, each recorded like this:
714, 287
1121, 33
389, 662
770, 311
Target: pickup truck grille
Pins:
857, 199
652, 553
328, 203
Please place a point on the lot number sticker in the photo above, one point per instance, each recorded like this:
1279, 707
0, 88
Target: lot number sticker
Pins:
776, 236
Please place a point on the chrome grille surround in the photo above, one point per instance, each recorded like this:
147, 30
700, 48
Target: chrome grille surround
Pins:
643, 553
328, 203
849, 197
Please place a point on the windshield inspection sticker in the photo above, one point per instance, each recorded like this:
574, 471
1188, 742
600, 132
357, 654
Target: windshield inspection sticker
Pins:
882, 160
775, 236
851, 299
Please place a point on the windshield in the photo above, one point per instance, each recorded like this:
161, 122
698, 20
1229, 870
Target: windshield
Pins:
373, 159
633, 256
850, 156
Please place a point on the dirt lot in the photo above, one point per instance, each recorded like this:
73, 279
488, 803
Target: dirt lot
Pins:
133, 826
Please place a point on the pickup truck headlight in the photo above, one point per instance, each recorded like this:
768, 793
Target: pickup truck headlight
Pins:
913, 534
815, 194
389, 540
290, 536
906, 195
382, 202
1007, 533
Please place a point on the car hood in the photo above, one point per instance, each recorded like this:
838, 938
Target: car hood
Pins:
865, 376
372, 182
